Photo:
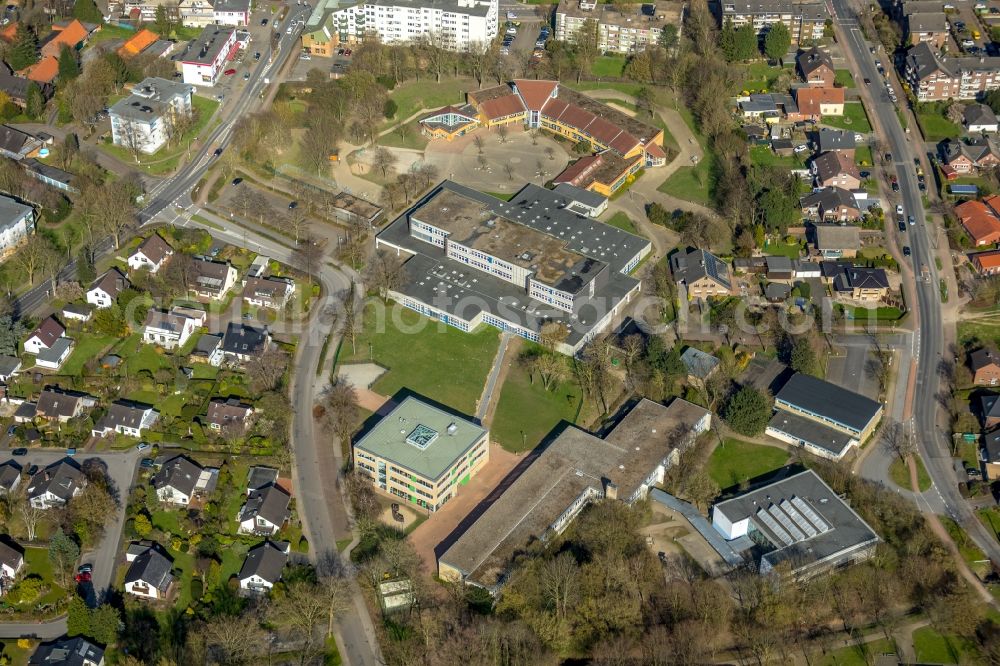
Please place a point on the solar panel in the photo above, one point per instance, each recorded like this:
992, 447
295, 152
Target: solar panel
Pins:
786, 522
797, 518
776, 529
808, 512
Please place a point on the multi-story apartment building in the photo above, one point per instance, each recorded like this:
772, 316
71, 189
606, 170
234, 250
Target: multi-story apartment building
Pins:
205, 58
620, 28
457, 25
17, 221
930, 27
934, 78
804, 20
422, 454
196, 13
142, 121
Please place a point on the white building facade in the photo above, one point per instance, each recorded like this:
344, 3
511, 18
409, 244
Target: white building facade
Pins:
17, 221
144, 120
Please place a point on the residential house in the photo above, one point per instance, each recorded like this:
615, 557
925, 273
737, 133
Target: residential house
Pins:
260, 477
816, 67
990, 454
831, 204
229, 412
10, 477
77, 312
243, 342
167, 329
985, 365
16, 87
11, 562
990, 411
149, 574
206, 57
927, 27
212, 279
814, 103
269, 292
759, 107
702, 273
232, 12
72, 34
835, 140
265, 511
834, 169
77, 651
980, 220
56, 404
700, 365
18, 145
56, 484
834, 241
860, 283
125, 417
146, 120
105, 289
9, 367
44, 336
151, 254
987, 263
934, 78
208, 349
969, 157
196, 13
180, 479
805, 20
17, 222
262, 567
979, 118
53, 357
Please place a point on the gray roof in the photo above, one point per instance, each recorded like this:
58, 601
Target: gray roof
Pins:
244, 339
923, 61
270, 503
693, 265
862, 277
180, 473
259, 476
150, 99
112, 282
207, 344
61, 478
698, 363
10, 555
927, 22
759, 103
809, 10
586, 197
124, 413
813, 59
10, 471
54, 402
778, 263
55, 351
151, 566
17, 142
983, 357
803, 505
831, 164
166, 321
67, 652
422, 438
991, 406
829, 198
776, 291
9, 365
837, 237
12, 212
830, 401
231, 5
979, 114
155, 248
992, 446
265, 560
811, 432
834, 139
206, 47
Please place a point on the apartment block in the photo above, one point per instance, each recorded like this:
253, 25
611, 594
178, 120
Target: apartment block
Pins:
804, 20
620, 28
934, 78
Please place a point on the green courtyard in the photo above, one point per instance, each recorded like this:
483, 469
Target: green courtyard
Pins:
734, 462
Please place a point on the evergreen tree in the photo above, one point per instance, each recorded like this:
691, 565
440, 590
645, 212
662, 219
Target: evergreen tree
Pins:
748, 411
25, 49
746, 43
35, 104
161, 22
69, 68
727, 42
77, 617
803, 356
87, 11
668, 36
778, 41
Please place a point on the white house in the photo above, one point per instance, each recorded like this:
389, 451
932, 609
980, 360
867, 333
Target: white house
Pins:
10, 477
196, 13
149, 574
105, 289
151, 254
44, 336
77, 312
265, 511
145, 120
167, 329
205, 58
11, 563
262, 567
126, 418
232, 12
56, 484
17, 221
180, 479
53, 357
9, 367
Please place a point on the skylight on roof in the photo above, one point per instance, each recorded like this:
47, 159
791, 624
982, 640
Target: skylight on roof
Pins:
421, 436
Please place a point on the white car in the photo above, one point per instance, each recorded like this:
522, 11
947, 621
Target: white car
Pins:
801, 148
511, 16
289, 31
899, 209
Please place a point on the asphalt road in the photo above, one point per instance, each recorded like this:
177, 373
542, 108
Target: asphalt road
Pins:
121, 468
930, 435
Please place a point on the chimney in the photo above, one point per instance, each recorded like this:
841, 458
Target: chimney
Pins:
610, 489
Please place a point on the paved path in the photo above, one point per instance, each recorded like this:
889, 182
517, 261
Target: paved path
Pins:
491, 382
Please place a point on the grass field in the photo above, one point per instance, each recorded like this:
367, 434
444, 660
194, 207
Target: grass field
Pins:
863, 155
888, 313
984, 331
612, 66
764, 156
624, 222
899, 472
971, 553
855, 655
843, 78
735, 461
412, 96
990, 517
425, 356
87, 347
934, 648
526, 412
693, 183
790, 250
36, 561
854, 118
412, 139
759, 76
934, 126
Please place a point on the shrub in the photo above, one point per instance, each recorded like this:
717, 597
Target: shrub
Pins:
303, 546
197, 588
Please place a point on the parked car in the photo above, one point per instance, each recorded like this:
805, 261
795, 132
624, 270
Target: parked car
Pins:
218, 151
19, 451
83, 577
899, 208
85, 568
236, 181
895, 186
293, 205
865, 174
11, 429
256, 55
868, 81
801, 148
146, 463
32, 470
922, 186
142, 446
71, 451
906, 250
263, 21
911, 220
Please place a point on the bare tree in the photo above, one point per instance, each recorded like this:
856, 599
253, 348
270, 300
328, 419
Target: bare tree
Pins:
266, 370
502, 133
383, 160
248, 199
304, 606
898, 441
231, 639
385, 273
341, 412
478, 142
132, 138
29, 515
36, 256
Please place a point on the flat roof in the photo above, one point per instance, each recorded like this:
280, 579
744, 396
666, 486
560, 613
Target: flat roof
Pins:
802, 518
811, 432
627, 16
11, 211
573, 463
421, 438
833, 402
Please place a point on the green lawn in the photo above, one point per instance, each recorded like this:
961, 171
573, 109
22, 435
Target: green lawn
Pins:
735, 461
863, 155
857, 655
888, 313
426, 356
984, 331
526, 412
693, 183
935, 126
146, 358
843, 78
623, 86
36, 561
612, 66
167, 521
166, 159
934, 648
790, 250
764, 156
971, 553
990, 517
759, 76
412, 139
87, 347
899, 472
412, 96
854, 118
622, 221
109, 32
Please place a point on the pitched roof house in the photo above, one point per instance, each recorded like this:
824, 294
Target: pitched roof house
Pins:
105, 289
167, 329
126, 418
61, 405
985, 365
814, 103
243, 342
56, 484
151, 254
980, 220
816, 67
835, 169
835, 241
149, 575
223, 412
11, 562
264, 512
702, 273
262, 567
267, 292
861, 283
10, 477
212, 279
180, 479
979, 118
834, 139
987, 263
77, 651
831, 204
44, 336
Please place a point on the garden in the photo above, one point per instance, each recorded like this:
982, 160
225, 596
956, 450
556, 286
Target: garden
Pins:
734, 462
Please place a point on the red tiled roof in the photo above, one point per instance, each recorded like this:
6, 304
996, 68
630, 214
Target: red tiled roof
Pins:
980, 221
576, 172
138, 43
988, 260
9, 33
810, 99
656, 151
602, 130
43, 71
534, 93
501, 107
993, 201
72, 36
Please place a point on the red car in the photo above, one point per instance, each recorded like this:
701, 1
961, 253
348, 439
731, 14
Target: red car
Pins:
229, 72
83, 577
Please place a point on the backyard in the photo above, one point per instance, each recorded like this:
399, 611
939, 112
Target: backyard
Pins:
934, 125
854, 118
735, 462
764, 156
426, 356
